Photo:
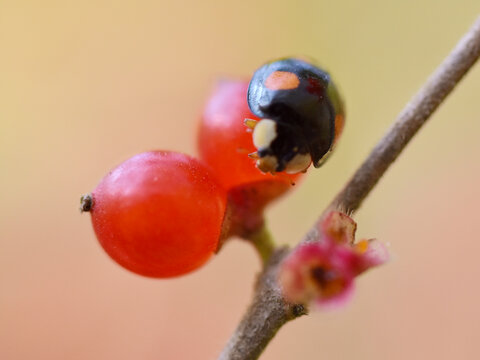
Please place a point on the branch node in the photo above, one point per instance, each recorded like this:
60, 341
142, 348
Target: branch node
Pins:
298, 310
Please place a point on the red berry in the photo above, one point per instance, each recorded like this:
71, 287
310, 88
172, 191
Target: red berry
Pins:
224, 144
159, 214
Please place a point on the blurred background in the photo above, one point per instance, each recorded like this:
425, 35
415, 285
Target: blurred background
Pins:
85, 85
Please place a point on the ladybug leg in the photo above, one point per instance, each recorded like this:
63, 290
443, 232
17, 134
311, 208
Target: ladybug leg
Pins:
250, 123
268, 164
254, 156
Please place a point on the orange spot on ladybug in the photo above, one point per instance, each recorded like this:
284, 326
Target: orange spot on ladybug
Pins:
282, 80
315, 88
339, 124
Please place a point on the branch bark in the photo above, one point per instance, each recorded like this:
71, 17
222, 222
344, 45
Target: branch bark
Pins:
268, 311
264, 317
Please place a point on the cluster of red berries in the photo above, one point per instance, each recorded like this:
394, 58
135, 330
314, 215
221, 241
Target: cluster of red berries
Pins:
163, 214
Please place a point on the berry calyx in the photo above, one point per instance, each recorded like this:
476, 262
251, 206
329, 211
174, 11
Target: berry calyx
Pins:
159, 214
224, 143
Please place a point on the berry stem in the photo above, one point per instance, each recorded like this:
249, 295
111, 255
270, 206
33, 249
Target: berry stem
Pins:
268, 311
263, 242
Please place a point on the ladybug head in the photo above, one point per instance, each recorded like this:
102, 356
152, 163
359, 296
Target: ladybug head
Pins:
276, 150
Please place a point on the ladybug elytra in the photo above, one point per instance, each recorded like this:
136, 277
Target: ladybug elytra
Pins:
301, 112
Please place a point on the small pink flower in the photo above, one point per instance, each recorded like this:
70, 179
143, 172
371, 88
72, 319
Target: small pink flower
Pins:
323, 272
370, 253
338, 227
317, 272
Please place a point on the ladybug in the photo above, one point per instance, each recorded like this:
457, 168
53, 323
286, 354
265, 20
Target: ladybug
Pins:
302, 115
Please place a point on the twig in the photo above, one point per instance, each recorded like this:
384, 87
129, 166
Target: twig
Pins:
268, 311
264, 317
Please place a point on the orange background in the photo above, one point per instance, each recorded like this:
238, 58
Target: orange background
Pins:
85, 85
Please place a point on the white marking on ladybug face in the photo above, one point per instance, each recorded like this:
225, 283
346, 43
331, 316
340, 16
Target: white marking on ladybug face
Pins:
267, 164
264, 133
299, 163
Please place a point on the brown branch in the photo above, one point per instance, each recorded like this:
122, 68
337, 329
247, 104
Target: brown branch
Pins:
264, 317
268, 311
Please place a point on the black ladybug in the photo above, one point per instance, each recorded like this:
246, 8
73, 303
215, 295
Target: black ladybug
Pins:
301, 115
